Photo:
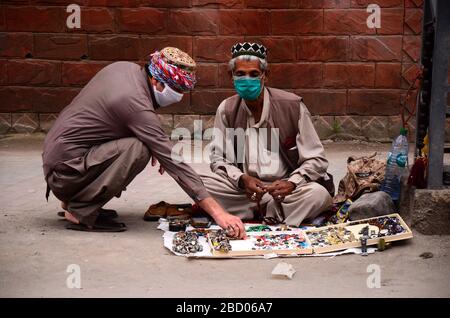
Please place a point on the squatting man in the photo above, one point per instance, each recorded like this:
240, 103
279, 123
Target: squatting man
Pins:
110, 131
108, 134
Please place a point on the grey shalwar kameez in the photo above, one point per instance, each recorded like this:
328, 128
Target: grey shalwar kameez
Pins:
104, 138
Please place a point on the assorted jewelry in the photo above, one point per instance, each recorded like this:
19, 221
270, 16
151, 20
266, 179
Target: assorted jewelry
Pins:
279, 241
339, 235
331, 236
186, 243
219, 241
387, 225
266, 228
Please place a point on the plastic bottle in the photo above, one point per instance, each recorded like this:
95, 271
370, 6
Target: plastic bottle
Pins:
396, 166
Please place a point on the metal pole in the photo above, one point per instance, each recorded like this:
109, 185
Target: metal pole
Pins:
439, 90
422, 106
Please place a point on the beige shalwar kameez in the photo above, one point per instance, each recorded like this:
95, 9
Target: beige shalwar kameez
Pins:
308, 198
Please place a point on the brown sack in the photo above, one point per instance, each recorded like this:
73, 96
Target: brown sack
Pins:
364, 174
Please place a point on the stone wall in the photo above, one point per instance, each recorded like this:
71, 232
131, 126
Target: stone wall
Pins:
353, 78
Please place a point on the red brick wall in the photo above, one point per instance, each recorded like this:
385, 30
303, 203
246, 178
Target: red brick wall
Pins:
320, 49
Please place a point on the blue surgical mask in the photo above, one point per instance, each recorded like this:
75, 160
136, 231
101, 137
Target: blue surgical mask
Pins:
247, 87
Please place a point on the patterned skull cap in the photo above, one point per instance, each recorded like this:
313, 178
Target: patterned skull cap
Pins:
178, 58
249, 48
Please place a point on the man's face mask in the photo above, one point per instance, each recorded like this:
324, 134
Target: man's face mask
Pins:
167, 96
248, 87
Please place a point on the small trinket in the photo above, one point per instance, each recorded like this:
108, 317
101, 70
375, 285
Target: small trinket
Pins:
341, 215
283, 227
363, 241
200, 231
373, 234
383, 245
178, 225
200, 222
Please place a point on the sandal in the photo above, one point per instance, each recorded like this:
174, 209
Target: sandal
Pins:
99, 226
179, 210
156, 211
164, 210
103, 213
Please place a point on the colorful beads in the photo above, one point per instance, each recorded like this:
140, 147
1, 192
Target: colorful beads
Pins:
279, 241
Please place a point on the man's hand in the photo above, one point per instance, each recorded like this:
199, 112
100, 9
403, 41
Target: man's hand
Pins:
280, 189
224, 219
232, 224
154, 163
254, 188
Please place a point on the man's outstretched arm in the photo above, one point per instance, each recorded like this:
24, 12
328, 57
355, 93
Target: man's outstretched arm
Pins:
147, 128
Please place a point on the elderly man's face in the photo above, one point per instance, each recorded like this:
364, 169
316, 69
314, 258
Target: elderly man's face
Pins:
247, 68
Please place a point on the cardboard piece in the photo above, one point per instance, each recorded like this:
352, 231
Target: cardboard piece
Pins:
247, 247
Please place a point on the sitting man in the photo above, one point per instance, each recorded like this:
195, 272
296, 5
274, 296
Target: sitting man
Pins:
285, 181
109, 132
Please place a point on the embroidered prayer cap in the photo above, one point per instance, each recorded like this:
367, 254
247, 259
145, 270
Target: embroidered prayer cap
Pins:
249, 48
174, 68
179, 58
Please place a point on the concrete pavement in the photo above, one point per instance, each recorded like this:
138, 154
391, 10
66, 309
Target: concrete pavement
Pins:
36, 249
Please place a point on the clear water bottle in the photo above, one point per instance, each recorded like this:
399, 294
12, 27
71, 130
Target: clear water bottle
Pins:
396, 166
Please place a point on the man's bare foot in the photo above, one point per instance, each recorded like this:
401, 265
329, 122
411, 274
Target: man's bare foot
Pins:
69, 217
